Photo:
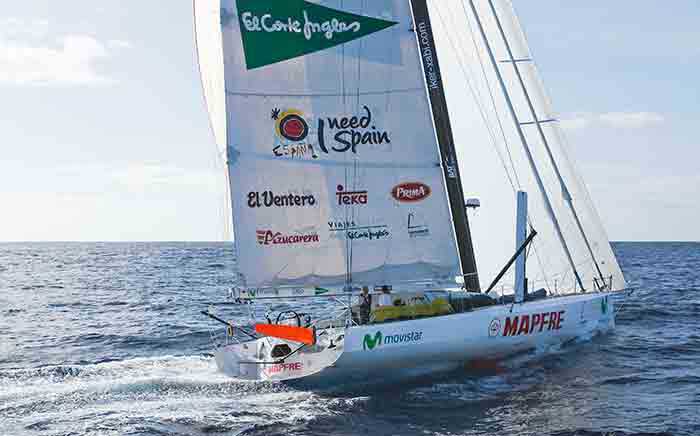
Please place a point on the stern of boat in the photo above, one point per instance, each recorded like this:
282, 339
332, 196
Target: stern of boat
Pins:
273, 359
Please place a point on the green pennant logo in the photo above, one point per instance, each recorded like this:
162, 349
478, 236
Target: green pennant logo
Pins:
320, 291
277, 30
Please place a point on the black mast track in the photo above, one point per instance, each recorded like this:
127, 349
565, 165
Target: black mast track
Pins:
436, 94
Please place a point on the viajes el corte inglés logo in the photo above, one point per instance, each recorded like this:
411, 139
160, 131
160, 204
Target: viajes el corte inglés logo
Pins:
277, 30
370, 342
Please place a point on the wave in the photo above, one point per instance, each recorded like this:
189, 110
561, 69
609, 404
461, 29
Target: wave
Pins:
607, 433
156, 389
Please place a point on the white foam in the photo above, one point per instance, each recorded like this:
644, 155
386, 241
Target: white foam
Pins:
125, 393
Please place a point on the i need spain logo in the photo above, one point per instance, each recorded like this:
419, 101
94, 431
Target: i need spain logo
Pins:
277, 30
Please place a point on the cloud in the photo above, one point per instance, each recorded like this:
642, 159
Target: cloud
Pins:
15, 28
30, 56
618, 120
133, 177
148, 176
118, 43
631, 120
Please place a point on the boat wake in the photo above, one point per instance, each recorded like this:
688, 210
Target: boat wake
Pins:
162, 395
186, 395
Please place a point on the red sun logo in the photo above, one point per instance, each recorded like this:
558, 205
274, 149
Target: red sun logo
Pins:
291, 125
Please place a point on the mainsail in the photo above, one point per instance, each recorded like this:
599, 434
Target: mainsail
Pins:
339, 147
334, 167
510, 140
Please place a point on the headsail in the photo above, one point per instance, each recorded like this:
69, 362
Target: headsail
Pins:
492, 135
332, 154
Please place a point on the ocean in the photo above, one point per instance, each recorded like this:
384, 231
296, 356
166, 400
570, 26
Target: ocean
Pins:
107, 339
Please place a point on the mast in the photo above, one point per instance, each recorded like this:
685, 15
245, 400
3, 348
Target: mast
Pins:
436, 93
519, 128
543, 137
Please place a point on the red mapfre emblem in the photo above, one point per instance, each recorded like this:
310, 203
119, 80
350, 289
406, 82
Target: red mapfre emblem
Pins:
410, 192
527, 324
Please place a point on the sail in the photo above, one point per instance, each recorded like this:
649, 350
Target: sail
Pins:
211, 64
496, 160
333, 160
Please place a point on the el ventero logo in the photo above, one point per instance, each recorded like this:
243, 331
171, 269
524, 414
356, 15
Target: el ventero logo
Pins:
370, 342
277, 30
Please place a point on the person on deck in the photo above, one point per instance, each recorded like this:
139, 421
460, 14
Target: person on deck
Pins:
385, 298
365, 305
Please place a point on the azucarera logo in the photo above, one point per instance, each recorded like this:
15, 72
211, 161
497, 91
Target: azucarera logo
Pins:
370, 343
277, 30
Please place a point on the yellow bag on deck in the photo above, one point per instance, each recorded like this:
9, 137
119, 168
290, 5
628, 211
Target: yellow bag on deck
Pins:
439, 306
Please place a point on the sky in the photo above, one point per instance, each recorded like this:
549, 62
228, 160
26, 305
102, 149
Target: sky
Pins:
104, 134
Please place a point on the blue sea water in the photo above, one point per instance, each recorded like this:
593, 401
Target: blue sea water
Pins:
106, 339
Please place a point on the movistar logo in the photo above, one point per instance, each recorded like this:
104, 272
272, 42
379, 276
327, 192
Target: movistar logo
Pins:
277, 30
370, 343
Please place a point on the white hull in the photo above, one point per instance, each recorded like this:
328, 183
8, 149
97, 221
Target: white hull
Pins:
423, 345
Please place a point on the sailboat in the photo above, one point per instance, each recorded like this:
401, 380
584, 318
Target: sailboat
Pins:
348, 154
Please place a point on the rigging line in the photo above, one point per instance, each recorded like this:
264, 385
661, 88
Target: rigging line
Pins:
342, 64
485, 118
475, 94
500, 126
359, 61
477, 99
355, 167
522, 136
348, 245
582, 186
543, 137
491, 96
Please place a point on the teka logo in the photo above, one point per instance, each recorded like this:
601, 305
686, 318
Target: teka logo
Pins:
284, 367
333, 134
268, 237
270, 199
411, 192
520, 325
350, 198
370, 343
